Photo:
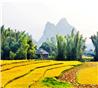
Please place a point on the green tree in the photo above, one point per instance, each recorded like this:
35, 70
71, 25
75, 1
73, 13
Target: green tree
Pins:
75, 46
70, 47
94, 39
12, 55
14, 44
50, 47
21, 53
31, 49
5, 42
61, 47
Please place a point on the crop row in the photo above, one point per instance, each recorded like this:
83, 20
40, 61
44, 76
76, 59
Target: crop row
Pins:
20, 72
24, 74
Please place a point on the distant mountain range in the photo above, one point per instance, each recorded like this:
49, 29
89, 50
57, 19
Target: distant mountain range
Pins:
62, 28
51, 30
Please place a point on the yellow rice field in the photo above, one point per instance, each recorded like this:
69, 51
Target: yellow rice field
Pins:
22, 74
88, 75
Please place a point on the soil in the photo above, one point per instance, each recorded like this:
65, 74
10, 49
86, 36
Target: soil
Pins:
70, 76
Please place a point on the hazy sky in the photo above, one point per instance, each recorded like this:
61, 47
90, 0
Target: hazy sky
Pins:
32, 15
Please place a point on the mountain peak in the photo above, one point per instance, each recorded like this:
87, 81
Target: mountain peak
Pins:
62, 21
49, 23
51, 30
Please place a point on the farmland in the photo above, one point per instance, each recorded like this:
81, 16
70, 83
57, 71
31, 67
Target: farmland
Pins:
83, 76
17, 74
88, 75
29, 73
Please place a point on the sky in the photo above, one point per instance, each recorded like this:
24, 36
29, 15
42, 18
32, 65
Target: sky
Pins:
32, 15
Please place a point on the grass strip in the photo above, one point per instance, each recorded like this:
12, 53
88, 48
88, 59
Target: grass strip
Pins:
54, 83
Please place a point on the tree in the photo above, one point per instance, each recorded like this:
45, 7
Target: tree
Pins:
70, 47
50, 47
12, 55
16, 45
75, 46
61, 47
94, 39
5, 42
31, 49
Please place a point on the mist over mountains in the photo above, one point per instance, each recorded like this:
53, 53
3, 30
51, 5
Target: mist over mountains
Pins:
51, 30
62, 28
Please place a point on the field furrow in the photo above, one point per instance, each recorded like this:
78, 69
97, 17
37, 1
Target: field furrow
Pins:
57, 70
26, 74
7, 62
4, 68
21, 72
35, 76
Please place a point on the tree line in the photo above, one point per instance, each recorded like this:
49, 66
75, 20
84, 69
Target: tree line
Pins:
20, 45
70, 47
16, 45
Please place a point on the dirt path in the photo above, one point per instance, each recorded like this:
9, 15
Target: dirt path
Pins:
70, 76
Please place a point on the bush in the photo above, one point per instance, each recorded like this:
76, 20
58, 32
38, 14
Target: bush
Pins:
94, 39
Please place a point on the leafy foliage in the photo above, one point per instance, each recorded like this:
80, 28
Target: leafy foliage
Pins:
70, 47
16, 45
31, 49
61, 46
75, 46
50, 47
94, 39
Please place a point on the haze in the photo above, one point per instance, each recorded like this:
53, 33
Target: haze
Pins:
32, 15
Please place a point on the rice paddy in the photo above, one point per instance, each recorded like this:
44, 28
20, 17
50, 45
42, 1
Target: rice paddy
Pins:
29, 73
22, 74
88, 75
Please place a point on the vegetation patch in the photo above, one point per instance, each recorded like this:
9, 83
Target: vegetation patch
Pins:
54, 83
